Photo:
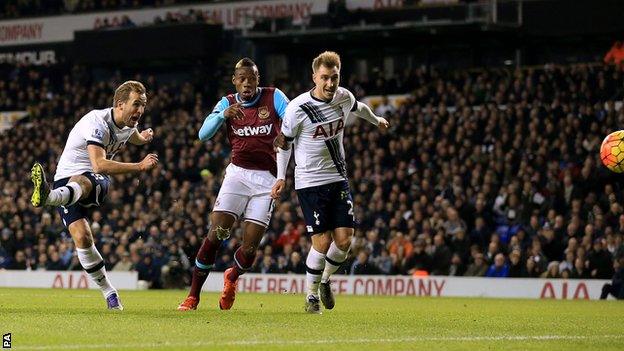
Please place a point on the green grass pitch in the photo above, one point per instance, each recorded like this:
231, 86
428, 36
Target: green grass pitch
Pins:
46, 319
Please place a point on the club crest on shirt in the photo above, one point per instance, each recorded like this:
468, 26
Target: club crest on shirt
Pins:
263, 112
98, 134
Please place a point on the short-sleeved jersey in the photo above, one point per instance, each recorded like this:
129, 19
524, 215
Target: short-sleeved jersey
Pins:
317, 129
98, 128
252, 137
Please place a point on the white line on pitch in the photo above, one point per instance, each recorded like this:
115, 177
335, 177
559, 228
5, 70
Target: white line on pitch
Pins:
319, 342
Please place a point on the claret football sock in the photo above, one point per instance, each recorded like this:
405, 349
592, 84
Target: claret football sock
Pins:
242, 263
204, 262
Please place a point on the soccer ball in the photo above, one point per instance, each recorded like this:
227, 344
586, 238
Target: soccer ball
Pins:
612, 151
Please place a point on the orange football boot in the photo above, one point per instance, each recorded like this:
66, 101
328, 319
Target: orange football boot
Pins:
229, 290
190, 303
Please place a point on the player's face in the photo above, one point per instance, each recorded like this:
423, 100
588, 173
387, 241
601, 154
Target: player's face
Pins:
133, 108
326, 80
246, 81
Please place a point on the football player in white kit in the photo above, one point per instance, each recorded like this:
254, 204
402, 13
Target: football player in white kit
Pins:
314, 122
82, 175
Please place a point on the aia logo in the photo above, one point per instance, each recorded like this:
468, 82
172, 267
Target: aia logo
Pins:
329, 130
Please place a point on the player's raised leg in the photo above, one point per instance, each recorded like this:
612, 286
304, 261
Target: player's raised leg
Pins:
243, 260
65, 195
41, 189
221, 224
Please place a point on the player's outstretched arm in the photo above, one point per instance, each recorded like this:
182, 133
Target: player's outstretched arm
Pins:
142, 138
212, 123
364, 112
100, 164
221, 112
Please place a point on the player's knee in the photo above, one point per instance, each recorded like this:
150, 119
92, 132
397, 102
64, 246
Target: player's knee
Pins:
343, 243
321, 243
83, 240
221, 233
85, 184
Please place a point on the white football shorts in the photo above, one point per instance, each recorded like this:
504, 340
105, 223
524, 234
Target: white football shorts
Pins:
246, 192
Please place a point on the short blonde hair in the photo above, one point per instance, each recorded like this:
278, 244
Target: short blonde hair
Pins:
328, 59
122, 93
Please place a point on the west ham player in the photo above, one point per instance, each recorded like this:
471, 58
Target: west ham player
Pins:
252, 117
314, 123
81, 180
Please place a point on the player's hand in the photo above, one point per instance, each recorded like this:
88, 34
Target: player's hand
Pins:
150, 161
234, 111
383, 123
148, 135
277, 188
280, 141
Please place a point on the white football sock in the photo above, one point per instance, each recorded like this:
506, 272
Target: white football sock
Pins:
93, 264
334, 258
314, 268
65, 195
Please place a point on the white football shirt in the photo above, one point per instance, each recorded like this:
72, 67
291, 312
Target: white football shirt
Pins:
317, 128
96, 127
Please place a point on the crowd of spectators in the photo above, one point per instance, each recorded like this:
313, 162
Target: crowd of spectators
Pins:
488, 172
